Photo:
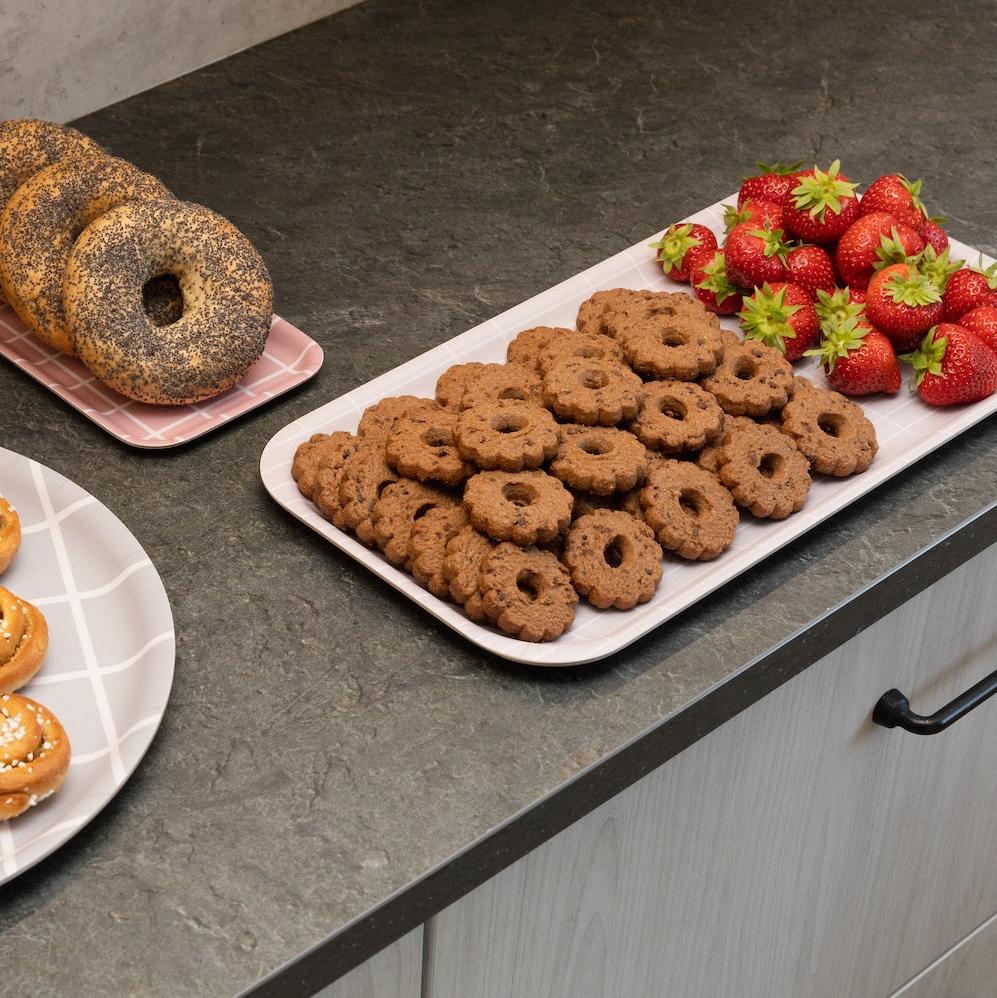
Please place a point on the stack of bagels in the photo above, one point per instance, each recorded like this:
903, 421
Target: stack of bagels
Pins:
164, 300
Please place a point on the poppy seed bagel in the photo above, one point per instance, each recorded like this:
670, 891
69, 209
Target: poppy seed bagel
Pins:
42, 221
227, 301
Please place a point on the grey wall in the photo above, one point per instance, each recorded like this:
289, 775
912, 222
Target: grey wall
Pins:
63, 58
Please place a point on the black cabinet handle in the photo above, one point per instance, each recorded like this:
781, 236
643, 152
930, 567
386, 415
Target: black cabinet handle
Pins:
893, 709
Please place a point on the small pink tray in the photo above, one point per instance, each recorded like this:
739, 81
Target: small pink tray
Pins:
290, 359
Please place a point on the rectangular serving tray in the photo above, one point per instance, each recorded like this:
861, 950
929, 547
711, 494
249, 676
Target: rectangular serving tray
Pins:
907, 430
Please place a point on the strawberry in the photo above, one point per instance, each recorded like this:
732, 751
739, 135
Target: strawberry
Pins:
755, 255
857, 358
983, 322
903, 303
934, 235
898, 196
674, 246
771, 184
953, 366
711, 285
836, 308
811, 268
781, 315
757, 211
969, 288
821, 206
856, 295
871, 243
937, 267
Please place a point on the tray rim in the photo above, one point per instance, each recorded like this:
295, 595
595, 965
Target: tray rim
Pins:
504, 646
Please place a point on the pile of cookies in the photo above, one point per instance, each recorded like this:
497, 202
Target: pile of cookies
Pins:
34, 747
568, 470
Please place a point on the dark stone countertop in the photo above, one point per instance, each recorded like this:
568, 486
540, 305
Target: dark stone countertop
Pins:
409, 170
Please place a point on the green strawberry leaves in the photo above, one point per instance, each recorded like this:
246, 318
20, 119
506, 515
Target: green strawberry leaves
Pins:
913, 188
674, 244
834, 309
781, 169
841, 337
990, 273
716, 279
766, 317
915, 289
774, 242
927, 358
936, 266
890, 250
823, 192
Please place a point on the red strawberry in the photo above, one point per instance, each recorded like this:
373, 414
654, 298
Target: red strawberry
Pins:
969, 288
711, 285
674, 246
811, 268
953, 366
781, 315
872, 242
898, 196
821, 206
983, 322
755, 211
934, 235
857, 359
755, 255
903, 303
856, 295
770, 185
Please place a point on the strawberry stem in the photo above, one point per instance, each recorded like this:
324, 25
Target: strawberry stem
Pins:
766, 317
716, 278
823, 191
915, 289
927, 358
674, 244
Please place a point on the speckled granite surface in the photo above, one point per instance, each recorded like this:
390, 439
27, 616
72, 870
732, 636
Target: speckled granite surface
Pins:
409, 170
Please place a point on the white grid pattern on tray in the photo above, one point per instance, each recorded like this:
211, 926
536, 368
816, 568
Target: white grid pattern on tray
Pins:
290, 359
907, 430
109, 668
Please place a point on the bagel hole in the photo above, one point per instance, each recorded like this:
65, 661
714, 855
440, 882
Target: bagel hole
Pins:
831, 423
770, 465
672, 409
593, 379
745, 370
594, 446
513, 393
691, 503
673, 338
507, 422
519, 494
615, 551
529, 583
162, 300
437, 436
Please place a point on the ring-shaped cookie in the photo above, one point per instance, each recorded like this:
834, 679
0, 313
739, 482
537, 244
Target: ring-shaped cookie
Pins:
42, 222
599, 314
228, 301
677, 417
462, 560
599, 459
614, 559
526, 507
507, 434
690, 512
424, 447
312, 454
832, 432
397, 510
428, 546
379, 420
495, 382
10, 534
364, 477
764, 470
23, 641
34, 754
527, 593
575, 344
526, 346
752, 379
597, 392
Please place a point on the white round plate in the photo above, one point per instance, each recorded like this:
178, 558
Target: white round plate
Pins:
109, 668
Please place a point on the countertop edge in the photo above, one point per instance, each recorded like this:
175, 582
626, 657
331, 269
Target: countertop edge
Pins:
410, 907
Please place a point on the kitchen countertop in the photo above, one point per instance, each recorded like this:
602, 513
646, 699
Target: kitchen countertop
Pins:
335, 766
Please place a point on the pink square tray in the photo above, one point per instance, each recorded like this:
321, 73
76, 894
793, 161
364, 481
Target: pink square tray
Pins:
290, 359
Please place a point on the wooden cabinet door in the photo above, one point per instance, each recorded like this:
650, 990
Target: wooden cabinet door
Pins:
798, 850
395, 972
968, 970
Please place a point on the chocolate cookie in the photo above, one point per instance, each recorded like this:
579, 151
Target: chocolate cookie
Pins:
424, 446
527, 593
677, 416
492, 382
613, 558
428, 545
832, 432
752, 379
365, 475
595, 392
526, 507
378, 420
575, 344
399, 507
525, 349
690, 512
670, 336
452, 383
310, 454
462, 560
598, 314
507, 434
599, 459
329, 477
764, 470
